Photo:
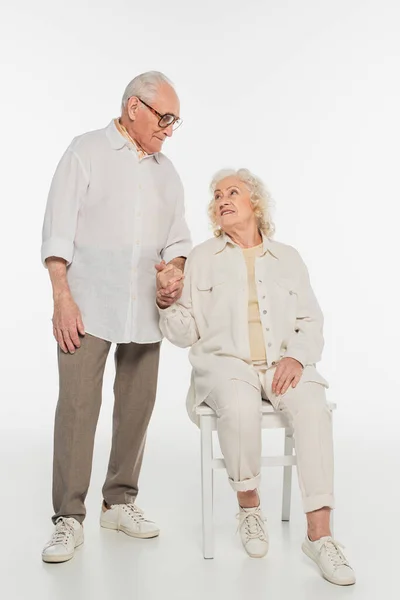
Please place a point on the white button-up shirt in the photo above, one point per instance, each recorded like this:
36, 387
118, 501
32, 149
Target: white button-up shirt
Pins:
212, 315
112, 217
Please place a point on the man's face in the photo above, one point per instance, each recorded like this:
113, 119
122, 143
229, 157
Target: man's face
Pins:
144, 123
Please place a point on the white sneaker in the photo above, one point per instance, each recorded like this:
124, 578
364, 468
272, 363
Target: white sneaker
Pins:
130, 519
67, 536
253, 531
328, 555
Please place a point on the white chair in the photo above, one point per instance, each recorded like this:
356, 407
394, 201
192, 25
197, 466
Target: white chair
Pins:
271, 419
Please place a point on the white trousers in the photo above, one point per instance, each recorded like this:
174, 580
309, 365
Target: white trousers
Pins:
238, 408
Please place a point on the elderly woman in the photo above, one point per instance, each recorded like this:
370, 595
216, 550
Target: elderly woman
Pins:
254, 326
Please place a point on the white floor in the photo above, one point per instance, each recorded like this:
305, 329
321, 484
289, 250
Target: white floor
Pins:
112, 565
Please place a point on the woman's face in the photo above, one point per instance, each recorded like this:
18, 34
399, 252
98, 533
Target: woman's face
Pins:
232, 204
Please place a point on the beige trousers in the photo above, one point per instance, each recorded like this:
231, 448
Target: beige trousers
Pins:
81, 379
238, 408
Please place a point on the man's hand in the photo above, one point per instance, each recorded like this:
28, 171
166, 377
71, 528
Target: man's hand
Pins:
288, 372
169, 284
67, 323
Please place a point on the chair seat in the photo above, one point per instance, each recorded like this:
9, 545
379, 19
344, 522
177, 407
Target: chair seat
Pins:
203, 410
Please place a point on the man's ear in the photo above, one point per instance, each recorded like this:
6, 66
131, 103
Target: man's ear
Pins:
132, 107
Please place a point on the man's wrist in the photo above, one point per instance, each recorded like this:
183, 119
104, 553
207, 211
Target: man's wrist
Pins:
61, 294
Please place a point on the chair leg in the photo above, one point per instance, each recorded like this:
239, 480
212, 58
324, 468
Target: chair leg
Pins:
287, 477
207, 486
332, 519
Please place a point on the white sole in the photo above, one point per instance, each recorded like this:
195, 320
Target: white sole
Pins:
60, 558
308, 553
114, 527
257, 555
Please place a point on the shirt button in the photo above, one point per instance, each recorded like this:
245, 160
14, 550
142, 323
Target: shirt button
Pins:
259, 281
273, 363
291, 293
263, 297
269, 344
267, 329
264, 312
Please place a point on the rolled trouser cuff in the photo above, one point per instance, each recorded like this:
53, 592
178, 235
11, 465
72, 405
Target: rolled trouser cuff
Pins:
316, 502
246, 485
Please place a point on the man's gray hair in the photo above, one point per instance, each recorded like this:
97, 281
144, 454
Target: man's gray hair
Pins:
145, 86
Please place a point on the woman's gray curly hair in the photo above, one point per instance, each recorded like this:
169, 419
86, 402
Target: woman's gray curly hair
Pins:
259, 197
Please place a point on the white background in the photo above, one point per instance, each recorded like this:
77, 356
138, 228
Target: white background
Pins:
305, 94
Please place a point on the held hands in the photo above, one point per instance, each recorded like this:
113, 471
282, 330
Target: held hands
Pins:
288, 372
169, 284
67, 323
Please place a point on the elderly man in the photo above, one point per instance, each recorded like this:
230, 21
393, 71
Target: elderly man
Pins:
115, 212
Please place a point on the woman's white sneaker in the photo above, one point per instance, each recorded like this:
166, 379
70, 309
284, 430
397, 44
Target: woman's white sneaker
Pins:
253, 531
67, 536
130, 519
328, 555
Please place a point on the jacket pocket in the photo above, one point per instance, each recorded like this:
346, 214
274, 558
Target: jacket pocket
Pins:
286, 286
310, 373
207, 285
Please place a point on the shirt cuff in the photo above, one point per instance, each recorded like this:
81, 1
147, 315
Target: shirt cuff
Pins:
176, 250
59, 248
164, 312
298, 354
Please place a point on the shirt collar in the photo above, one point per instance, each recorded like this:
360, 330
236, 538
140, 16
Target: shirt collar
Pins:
118, 141
224, 239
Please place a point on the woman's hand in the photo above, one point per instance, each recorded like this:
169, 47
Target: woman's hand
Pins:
288, 372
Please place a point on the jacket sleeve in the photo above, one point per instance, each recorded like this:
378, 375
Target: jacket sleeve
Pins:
306, 342
177, 322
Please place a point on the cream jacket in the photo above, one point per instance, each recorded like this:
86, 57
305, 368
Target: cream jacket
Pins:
211, 315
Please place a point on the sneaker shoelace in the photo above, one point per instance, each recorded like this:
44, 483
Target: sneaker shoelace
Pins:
62, 533
335, 554
134, 512
252, 523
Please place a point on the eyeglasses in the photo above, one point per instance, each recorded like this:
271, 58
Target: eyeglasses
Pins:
164, 120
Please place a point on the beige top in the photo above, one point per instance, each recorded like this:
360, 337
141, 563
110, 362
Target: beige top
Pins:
256, 336
212, 314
